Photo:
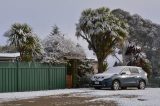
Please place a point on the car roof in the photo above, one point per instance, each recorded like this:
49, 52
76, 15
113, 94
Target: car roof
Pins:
127, 67
118, 69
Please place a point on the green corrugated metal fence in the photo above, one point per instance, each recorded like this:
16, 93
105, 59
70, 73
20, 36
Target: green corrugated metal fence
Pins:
31, 76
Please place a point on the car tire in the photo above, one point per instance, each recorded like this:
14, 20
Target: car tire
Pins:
97, 87
141, 85
116, 85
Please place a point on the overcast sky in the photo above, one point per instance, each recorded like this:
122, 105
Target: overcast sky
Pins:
42, 14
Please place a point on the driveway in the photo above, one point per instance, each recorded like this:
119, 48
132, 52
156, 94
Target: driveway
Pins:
83, 97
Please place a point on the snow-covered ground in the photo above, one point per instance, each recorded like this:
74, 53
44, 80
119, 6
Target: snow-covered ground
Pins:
132, 97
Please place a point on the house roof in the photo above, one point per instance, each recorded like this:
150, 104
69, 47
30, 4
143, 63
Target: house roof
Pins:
9, 55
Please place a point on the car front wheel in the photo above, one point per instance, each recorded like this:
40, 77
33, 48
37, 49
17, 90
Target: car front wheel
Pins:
115, 85
142, 85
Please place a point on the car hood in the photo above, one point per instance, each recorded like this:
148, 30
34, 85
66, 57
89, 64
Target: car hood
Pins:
103, 75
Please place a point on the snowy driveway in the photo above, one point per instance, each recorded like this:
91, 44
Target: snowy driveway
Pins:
132, 97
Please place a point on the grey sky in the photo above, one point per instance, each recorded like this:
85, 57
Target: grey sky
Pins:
42, 14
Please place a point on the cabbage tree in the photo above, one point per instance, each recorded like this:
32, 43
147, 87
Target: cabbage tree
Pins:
102, 30
24, 40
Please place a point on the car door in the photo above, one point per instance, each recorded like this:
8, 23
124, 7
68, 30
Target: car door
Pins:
125, 77
135, 75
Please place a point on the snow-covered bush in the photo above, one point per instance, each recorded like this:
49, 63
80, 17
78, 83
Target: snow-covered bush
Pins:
144, 33
84, 73
134, 56
57, 48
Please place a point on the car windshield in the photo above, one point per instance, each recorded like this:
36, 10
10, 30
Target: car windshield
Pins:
113, 70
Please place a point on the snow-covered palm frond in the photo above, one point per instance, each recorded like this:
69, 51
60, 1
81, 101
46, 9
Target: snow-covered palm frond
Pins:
25, 41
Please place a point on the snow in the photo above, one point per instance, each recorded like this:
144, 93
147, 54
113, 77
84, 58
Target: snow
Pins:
150, 96
9, 54
131, 97
34, 94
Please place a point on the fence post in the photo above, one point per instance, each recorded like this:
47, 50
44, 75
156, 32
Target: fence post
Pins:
65, 75
49, 78
17, 73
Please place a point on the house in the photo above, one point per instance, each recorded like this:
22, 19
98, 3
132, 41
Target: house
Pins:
9, 57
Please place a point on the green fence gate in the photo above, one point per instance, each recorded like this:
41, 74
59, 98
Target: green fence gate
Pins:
31, 76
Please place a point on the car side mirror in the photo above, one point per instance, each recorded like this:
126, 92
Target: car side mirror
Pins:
123, 73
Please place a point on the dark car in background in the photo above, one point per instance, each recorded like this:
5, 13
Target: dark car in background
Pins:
120, 77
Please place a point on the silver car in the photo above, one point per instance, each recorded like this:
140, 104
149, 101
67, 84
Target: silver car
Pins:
120, 77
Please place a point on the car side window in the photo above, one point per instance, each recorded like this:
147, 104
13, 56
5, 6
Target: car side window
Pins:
134, 71
126, 70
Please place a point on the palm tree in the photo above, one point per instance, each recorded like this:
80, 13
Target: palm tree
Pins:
24, 40
103, 31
